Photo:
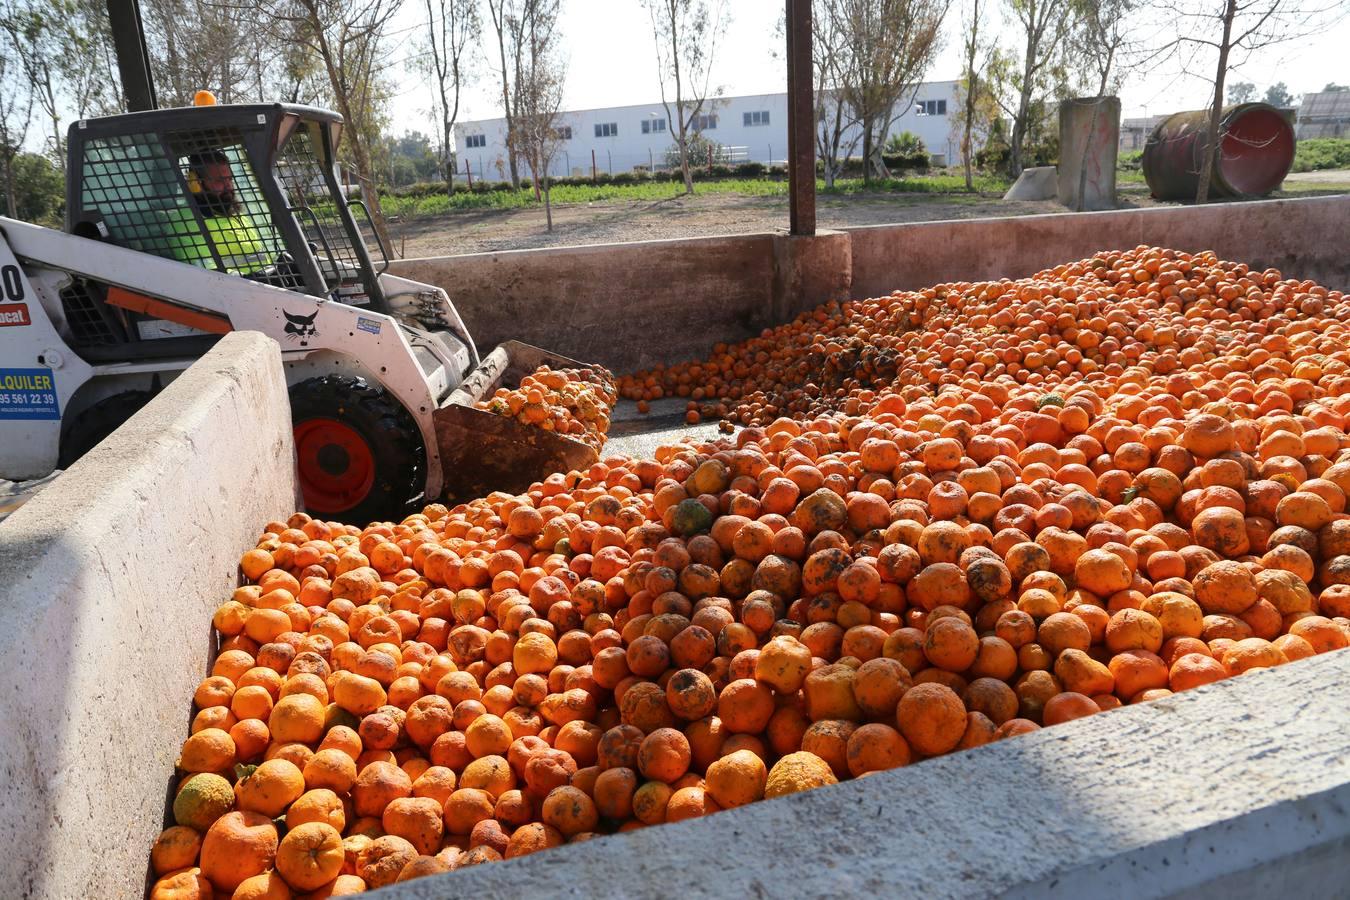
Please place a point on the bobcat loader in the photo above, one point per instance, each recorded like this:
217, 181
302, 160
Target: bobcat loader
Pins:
184, 224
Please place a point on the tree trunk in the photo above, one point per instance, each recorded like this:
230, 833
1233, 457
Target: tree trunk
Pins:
867, 151
1020, 124
11, 202
360, 153
685, 169
966, 151
972, 89
1216, 108
506, 106
548, 204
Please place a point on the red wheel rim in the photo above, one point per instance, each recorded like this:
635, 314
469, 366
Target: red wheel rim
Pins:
337, 469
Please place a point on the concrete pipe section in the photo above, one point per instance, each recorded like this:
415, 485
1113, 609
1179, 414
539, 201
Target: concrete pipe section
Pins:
1256, 150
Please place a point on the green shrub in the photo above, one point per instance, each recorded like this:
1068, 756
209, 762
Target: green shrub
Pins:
912, 161
749, 169
906, 143
1322, 153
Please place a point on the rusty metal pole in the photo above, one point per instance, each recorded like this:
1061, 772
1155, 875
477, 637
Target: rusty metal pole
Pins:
801, 162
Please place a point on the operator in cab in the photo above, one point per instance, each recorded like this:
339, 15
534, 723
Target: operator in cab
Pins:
210, 180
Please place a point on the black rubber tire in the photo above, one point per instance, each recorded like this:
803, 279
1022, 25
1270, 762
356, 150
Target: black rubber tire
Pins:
388, 431
94, 423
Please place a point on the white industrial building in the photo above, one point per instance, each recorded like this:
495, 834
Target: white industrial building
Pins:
627, 138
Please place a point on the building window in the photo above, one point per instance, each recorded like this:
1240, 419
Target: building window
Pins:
704, 123
475, 140
653, 126
563, 133
607, 129
757, 118
931, 108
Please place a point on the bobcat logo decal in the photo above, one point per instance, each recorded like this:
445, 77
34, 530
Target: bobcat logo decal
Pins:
300, 328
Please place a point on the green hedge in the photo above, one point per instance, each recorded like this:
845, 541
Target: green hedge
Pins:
1322, 153
739, 171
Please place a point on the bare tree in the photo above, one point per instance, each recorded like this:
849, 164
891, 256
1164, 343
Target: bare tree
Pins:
35, 35
16, 114
452, 25
973, 87
830, 49
503, 13
512, 22
893, 42
213, 45
348, 39
1044, 26
538, 100
686, 33
1225, 36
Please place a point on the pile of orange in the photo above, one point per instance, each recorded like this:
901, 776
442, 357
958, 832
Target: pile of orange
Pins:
572, 402
962, 554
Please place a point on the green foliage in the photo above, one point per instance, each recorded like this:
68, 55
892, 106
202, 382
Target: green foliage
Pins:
928, 184
407, 160
1278, 95
1322, 153
498, 195
906, 143
1241, 92
905, 152
994, 155
39, 191
1130, 161
699, 147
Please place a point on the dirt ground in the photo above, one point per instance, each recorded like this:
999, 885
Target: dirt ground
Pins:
479, 231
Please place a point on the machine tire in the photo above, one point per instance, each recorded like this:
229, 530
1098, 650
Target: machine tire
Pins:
360, 454
94, 423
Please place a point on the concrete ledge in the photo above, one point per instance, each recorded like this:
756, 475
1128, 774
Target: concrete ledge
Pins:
1232, 790
108, 579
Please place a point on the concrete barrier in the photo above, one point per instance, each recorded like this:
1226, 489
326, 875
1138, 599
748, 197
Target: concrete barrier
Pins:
1238, 789
1037, 183
108, 579
630, 306
1089, 139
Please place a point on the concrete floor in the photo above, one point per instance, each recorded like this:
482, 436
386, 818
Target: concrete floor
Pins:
14, 494
639, 434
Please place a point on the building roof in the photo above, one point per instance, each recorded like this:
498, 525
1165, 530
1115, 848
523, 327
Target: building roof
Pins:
1325, 105
657, 102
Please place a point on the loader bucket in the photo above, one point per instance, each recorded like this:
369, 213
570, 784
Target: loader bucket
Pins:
483, 452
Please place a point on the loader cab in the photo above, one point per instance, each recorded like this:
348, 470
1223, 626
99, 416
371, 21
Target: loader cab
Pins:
250, 190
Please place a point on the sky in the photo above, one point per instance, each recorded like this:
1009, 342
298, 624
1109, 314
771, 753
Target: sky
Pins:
610, 62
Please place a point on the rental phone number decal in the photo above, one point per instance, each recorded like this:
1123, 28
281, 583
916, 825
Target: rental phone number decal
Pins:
28, 394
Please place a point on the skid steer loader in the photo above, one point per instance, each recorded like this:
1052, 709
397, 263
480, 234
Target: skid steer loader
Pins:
184, 224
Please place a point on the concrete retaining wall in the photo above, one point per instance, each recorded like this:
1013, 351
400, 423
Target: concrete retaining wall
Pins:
629, 306
626, 305
1302, 238
1238, 789
108, 580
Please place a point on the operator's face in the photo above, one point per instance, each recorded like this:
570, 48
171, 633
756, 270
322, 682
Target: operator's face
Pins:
217, 178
